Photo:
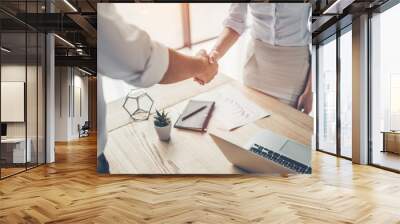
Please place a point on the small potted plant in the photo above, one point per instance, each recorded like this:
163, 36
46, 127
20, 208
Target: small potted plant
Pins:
162, 124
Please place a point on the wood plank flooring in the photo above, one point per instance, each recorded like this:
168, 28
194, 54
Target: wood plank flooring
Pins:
388, 159
70, 191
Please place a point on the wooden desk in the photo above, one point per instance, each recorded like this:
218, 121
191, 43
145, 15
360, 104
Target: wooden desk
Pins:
391, 141
134, 148
13, 150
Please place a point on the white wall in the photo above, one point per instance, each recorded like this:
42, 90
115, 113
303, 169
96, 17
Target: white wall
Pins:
70, 83
33, 126
62, 81
79, 117
10, 73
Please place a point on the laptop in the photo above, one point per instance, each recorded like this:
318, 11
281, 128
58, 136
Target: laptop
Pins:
267, 153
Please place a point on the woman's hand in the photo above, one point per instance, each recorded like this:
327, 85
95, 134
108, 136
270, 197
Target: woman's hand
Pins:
225, 41
213, 56
209, 69
304, 103
212, 59
182, 67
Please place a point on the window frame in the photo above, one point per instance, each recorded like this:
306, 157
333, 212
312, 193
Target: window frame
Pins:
187, 33
333, 37
380, 9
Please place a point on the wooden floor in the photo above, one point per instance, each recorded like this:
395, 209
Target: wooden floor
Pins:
70, 191
10, 171
387, 159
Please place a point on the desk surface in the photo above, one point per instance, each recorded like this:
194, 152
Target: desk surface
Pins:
390, 132
134, 148
13, 140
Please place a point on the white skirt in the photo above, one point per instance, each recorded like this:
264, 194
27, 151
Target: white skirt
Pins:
278, 71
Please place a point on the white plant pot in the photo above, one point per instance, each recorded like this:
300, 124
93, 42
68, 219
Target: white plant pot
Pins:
164, 133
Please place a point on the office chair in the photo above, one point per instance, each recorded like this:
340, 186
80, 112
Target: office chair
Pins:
84, 130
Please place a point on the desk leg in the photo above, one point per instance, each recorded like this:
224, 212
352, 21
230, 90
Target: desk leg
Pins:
384, 143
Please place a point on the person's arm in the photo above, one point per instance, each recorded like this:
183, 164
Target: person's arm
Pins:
306, 98
182, 67
224, 42
235, 25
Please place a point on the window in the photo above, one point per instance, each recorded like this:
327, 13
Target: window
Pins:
394, 101
327, 96
206, 27
385, 88
23, 89
334, 62
346, 93
13, 82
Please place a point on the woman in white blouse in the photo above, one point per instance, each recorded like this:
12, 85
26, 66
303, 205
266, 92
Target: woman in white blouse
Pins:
278, 56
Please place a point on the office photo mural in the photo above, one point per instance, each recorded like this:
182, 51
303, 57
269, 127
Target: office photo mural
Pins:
200, 88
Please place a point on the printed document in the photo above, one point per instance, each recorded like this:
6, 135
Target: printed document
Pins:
232, 108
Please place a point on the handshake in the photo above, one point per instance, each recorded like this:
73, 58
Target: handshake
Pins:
209, 68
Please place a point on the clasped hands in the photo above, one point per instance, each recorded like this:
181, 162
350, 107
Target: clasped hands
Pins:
210, 66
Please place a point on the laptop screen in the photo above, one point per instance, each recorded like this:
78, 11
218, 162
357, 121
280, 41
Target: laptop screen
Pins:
282, 145
297, 152
3, 129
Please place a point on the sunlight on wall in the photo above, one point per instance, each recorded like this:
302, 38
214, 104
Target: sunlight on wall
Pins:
163, 22
206, 20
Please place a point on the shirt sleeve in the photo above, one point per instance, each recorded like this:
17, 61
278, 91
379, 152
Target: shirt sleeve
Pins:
237, 17
126, 52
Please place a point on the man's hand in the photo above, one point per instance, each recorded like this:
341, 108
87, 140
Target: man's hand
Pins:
209, 69
304, 103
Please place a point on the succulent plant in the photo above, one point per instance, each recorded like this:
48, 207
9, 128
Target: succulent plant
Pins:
161, 119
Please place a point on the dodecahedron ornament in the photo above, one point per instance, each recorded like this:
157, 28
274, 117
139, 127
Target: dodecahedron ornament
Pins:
138, 104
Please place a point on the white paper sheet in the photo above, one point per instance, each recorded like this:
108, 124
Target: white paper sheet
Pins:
232, 109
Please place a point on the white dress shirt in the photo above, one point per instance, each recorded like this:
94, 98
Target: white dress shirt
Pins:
124, 52
278, 24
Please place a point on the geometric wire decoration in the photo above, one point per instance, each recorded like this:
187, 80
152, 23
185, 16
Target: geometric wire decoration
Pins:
138, 104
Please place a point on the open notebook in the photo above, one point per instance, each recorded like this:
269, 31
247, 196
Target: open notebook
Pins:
199, 120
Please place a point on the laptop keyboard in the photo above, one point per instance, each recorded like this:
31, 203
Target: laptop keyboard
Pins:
281, 159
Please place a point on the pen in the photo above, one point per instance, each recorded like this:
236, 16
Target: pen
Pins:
194, 112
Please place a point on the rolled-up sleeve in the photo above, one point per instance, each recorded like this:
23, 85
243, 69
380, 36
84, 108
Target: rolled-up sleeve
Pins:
126, 52
237, 17
156, 67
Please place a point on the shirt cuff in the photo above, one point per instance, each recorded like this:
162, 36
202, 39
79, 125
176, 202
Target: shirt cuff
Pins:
156, 66
239, 27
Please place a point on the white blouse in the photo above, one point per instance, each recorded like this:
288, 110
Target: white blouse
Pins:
281, 24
